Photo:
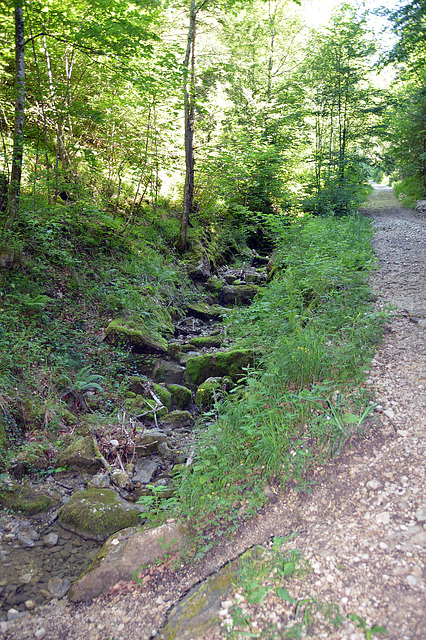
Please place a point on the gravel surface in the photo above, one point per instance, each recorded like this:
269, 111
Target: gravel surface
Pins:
363, 528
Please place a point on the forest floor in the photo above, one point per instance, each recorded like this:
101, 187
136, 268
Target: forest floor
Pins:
362, 529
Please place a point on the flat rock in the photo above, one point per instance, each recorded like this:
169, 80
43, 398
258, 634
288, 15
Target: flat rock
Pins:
122, 555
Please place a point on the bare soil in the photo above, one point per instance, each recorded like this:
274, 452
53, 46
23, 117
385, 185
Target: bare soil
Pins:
363, 527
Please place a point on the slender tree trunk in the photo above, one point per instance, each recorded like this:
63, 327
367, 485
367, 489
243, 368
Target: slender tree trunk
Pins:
18, 136
189, 107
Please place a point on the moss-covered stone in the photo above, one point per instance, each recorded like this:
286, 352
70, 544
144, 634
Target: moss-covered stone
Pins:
174, 350
144, 405
219, 364
206, 312
82, 455
24, 499
207, 342
168, 372
215, 286
163, 395
182, 396
177, 420
147, 441
197, 263
239, 295
134, 333
208, 392
98, 513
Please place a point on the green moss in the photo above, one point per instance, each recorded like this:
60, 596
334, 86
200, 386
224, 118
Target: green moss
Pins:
133, 332
206, 392
178, 419
206, 312
182, 396
207, 341
24, 499
98, 513
82, 455
219, 364
164, 395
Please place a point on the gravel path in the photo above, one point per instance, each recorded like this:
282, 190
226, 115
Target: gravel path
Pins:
363, 528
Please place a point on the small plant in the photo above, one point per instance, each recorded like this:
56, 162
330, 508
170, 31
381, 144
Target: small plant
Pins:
158, 501
369, 631
76, 388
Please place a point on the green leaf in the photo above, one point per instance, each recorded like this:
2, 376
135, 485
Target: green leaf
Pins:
284, 595
258, 596
350, 418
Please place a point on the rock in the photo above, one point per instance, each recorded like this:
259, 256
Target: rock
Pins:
421, 206
198, 611
207, 342
421, 514
168, 372
254, 277
165, 452
144, 470
123, 554
173, 350
97, 513
114, 443
120, 478
374, 484
215, 286
206, 312
182, 396
58, 587
82, 455
239, 295
177, 420
208, 392
147, 441
198, 264
219, 364
25, 541
40, 633
100, 481
4, 627
50, 540
132, 332
13, 614
24, 499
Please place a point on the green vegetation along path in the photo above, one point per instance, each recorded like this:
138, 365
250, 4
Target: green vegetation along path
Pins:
362, 529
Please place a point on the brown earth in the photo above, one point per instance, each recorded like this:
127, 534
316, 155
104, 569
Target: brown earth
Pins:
363, 527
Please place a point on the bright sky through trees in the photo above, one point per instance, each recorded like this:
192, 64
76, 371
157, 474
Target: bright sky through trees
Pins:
318, 12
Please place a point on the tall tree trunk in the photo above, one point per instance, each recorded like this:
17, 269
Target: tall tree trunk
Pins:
189, 107
18, 136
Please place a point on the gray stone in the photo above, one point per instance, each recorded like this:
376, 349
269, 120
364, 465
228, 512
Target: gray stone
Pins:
13, 614
4, 627
148, 440
40, 633
58, 587
122, 555
165, 452
99, 481
421, 514
239, 295
25, 541
50, 540
168, 372
374, 484
177, 420
144, 470
120, 478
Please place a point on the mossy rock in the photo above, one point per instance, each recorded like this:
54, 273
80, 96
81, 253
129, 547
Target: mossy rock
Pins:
215, 286
207, 342
24, 499
206, 312
143, 405
197, 263
182, 396
174, 350
219, 364
239, 295
178, 420
134, 333
96, 514
81, 455
207, 391
163, 394
168, 372
146, 442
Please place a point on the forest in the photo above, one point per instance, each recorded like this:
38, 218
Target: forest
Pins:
155, 155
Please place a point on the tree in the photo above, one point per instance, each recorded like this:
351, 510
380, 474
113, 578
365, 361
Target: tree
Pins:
18, 135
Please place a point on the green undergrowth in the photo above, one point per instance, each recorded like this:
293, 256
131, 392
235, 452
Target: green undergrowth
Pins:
71, 270
314, 330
